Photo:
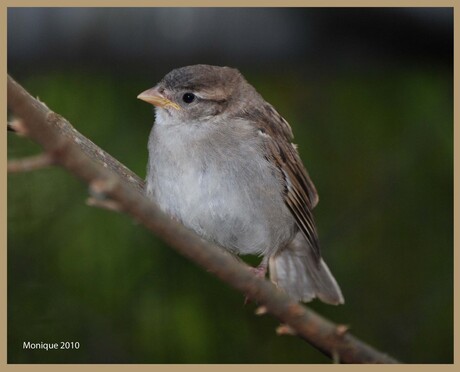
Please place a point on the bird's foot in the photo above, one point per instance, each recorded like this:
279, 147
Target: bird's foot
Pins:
259, 272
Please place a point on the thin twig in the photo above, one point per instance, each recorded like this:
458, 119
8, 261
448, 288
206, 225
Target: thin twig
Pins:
48, 129
11, 127
30, 163
110, 205
284, 329
260, 310
16, 126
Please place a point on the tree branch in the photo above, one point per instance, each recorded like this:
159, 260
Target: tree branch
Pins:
65, 132
115, 182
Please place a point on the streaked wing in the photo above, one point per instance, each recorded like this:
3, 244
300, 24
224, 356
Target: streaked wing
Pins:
300, 194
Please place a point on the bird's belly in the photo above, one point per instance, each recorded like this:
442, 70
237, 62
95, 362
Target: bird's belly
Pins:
243, 214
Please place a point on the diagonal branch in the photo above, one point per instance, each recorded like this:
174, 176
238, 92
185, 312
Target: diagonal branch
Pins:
65, 132
115, 182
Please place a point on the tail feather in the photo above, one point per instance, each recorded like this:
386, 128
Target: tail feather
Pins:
297, 272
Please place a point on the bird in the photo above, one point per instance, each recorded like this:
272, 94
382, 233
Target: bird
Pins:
222, 162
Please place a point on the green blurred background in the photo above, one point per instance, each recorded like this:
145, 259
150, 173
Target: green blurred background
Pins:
368, 93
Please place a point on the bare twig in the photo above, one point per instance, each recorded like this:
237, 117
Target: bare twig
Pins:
82, 158
341, 329
110, 205
284, 329
260, 310
10, 127
30, 163
67, 132
17, 127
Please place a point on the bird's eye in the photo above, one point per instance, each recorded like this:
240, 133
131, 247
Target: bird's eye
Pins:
188, 97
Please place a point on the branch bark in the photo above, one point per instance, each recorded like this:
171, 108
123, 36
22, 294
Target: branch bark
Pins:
110, 179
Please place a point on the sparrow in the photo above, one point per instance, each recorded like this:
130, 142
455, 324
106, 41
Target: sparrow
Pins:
222, 162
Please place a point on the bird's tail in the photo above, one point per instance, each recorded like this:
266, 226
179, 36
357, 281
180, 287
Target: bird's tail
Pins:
296, 271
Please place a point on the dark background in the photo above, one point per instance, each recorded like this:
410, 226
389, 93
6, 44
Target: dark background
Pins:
369, 95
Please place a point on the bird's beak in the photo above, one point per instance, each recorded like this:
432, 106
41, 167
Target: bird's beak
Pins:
154, 97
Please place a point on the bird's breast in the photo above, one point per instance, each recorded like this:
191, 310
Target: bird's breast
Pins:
226, 192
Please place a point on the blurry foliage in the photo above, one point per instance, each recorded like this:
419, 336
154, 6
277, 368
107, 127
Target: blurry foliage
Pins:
379, 147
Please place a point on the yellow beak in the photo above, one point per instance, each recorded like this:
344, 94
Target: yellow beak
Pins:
154, 97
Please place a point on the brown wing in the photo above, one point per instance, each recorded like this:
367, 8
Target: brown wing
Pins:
300, 193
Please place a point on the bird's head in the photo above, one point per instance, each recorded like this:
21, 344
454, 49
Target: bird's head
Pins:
198, 93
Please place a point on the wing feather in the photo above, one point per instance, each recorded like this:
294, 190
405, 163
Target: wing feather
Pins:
300, 194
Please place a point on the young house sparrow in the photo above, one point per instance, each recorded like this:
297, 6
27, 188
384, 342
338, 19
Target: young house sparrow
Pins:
221, 161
